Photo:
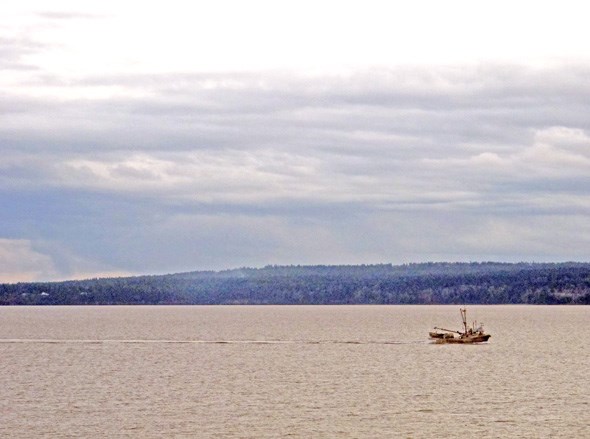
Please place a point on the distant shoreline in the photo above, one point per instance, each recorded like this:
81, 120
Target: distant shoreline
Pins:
416, 284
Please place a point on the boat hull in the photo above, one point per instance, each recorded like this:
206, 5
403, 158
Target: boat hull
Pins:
470, 339
439, 335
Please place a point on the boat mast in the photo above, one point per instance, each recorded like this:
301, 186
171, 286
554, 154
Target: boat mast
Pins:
464, 317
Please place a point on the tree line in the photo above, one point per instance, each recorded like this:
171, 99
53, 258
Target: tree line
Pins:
427, 283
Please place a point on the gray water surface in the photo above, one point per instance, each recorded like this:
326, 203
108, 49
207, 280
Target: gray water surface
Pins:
292, 371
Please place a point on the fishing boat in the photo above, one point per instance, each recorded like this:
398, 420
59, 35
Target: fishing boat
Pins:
474, 334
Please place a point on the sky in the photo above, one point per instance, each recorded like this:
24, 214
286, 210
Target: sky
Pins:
160, 137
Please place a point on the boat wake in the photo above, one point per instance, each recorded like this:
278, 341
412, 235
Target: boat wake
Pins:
239, 342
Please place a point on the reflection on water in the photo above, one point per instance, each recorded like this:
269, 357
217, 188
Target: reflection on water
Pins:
309, 371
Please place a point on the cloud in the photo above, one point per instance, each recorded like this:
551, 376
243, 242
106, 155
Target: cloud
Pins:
19, 261
14, 49
375, 135
184, 137
157, 172
22, 260
67, 15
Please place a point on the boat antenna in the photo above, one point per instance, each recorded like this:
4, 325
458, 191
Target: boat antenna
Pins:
464, 317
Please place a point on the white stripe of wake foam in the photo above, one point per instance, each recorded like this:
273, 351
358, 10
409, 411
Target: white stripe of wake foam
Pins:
141, 341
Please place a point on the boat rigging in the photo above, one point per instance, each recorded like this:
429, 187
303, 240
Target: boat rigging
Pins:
474, 334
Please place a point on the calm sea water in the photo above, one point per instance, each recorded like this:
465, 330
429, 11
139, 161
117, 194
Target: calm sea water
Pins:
292, 371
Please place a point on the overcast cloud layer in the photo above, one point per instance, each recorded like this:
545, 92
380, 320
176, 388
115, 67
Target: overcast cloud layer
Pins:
125, 171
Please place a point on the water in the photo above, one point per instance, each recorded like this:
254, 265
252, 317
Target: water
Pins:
302, 372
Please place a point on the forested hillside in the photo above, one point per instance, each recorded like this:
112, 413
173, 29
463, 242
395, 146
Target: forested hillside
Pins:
429, 283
